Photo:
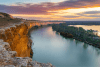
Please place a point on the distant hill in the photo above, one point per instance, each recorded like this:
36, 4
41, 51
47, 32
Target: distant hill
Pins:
5, 15
6, 19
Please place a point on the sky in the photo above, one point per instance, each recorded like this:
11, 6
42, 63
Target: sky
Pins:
66, 10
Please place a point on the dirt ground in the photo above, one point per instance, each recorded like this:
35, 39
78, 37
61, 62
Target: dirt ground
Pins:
6, 22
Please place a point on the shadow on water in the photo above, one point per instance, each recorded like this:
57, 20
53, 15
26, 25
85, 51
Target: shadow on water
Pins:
76, 41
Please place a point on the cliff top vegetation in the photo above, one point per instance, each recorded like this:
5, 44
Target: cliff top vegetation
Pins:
6, 19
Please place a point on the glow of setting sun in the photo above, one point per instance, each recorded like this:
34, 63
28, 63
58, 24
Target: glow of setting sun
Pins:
99, 33
27, 15
58, 14
81, 10
69, 12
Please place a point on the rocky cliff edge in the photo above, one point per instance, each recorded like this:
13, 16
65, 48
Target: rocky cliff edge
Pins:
15, 46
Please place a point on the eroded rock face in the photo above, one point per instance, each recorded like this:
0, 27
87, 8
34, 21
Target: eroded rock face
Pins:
15, 48
18, 39
8, 59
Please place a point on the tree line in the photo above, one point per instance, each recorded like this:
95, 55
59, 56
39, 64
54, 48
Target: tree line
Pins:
78, 33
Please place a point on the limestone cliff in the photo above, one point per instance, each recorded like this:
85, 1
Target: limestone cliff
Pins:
8, 59
18, 39
15, 44
15, 47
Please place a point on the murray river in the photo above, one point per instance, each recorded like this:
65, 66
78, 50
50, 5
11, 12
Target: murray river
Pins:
51, 47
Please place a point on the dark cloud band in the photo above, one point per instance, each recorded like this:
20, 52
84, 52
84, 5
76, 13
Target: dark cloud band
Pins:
43, 8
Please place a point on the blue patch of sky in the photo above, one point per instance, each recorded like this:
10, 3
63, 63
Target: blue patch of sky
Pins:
8, 2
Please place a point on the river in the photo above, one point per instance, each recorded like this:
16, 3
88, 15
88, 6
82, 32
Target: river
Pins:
51, 47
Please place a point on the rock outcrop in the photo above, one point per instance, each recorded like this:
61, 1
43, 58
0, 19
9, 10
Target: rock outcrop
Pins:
8, 59
18, 39
15, 44
15, 48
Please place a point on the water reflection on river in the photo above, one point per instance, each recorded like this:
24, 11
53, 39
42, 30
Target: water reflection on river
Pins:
49, 46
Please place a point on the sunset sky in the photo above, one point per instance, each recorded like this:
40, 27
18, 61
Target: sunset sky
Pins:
67, 10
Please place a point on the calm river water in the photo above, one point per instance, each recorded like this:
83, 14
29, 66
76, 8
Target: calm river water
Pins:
49, 46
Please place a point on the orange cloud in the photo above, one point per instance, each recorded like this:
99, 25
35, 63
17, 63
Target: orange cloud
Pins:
43, 8
49, 10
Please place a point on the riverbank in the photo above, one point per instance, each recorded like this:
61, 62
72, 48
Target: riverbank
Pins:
78, 33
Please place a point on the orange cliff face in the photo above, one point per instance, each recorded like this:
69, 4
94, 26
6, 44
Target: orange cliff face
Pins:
18, 39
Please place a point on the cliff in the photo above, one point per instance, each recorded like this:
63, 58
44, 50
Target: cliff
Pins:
8, 59
15, 47
18, 39
15, 44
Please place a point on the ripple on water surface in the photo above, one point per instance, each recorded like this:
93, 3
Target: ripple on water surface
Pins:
49, 46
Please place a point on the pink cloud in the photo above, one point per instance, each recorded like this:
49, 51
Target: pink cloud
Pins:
43, 8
